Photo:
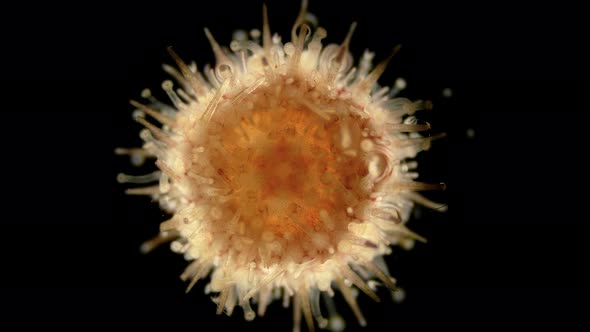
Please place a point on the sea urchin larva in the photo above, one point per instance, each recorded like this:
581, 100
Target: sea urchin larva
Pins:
286, 170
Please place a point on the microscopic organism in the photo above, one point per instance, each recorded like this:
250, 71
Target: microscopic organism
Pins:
287, 170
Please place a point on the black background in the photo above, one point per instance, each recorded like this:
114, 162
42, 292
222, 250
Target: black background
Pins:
511, 252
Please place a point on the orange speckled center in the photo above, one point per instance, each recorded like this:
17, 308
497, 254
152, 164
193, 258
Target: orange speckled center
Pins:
286, 167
